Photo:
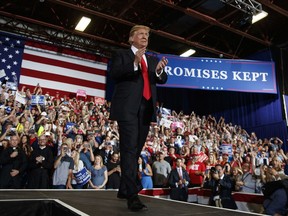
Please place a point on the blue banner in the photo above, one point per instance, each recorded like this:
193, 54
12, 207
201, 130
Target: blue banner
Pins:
220, 74
69, 125
82, 177
38, 99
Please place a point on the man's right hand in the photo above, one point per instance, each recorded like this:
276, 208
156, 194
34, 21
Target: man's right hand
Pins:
138, 55
14, 154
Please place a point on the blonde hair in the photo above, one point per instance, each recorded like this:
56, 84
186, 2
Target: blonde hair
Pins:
237, 169
69, 142
101, 160
76, 159
214, 160
136, 28
79, 136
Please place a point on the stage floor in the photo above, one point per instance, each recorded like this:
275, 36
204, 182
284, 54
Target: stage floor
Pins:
91, 202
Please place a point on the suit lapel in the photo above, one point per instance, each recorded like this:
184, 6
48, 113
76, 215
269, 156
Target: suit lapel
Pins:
177, 174
131, 54
148, 61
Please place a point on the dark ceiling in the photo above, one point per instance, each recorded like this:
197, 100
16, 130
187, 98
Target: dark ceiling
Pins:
211, 27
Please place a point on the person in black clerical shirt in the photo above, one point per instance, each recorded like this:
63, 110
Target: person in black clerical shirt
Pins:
133, 106
14, 164
40, 165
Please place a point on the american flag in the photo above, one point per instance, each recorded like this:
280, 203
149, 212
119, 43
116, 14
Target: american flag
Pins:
56, 69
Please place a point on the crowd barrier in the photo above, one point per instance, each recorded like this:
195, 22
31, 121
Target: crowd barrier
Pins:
245, 201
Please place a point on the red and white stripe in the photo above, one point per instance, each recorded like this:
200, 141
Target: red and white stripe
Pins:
64, 72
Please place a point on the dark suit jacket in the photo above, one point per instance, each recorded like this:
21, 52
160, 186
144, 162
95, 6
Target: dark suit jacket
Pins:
178, 193
39, 173
8, 163
128, 90
225, 187
102, 152
174, 177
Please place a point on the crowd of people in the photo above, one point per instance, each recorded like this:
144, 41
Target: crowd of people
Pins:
70, 143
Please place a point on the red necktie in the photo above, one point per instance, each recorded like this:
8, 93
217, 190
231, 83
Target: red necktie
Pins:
146, 89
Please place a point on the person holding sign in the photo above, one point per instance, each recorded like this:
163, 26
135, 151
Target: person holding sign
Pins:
76, 183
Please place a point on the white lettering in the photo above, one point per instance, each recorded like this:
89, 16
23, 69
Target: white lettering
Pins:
249, 76
168, 70
197, 73
178, 71
189, 73
236, 75
206, 74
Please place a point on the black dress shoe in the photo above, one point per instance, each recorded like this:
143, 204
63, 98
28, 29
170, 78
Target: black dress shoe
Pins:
134, 204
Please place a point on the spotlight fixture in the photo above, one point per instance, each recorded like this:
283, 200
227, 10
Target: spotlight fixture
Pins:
83, 23
259, 16
188, 53
252, 11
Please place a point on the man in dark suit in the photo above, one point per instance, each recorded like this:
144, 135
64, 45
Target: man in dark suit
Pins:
106, 153
221, 186
40, 164
178, 181
133, 106
14, 164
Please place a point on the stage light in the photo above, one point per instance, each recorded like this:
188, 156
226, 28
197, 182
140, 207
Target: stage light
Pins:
188, 53
259, 16
83, 23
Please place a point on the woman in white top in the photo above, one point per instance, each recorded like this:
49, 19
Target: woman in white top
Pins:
78, 166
